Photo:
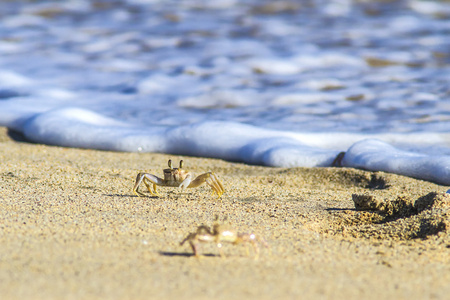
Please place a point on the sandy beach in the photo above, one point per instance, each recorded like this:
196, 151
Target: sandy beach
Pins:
71, 228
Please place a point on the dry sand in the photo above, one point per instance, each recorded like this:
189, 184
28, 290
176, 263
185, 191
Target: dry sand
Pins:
70, 228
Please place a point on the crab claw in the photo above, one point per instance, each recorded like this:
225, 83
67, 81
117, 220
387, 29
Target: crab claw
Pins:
186, 182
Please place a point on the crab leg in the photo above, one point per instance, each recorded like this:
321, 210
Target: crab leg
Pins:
215, 184
147, 178
211, 179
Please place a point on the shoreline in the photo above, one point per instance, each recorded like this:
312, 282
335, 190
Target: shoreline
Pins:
72, 228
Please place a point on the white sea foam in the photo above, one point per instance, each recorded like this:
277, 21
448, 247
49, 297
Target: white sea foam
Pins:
75, 127
375, 155
240, 81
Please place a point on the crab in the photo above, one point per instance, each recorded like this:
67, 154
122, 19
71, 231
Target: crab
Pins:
219, 235
177, 177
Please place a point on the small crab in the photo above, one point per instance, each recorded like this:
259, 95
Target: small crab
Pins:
220, 235
177, 177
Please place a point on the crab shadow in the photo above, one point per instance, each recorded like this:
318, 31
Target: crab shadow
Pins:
184, 254
340, 209
130, 196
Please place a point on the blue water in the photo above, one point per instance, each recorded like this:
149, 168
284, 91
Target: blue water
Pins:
278, 83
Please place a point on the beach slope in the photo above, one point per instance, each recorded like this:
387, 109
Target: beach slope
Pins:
71, 228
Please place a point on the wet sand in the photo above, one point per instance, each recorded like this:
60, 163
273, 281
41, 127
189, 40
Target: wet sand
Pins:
71, 228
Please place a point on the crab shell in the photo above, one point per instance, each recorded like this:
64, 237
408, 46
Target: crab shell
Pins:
174, 175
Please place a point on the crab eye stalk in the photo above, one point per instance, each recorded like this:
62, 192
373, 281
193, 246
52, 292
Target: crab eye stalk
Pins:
170, 164
181, 164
